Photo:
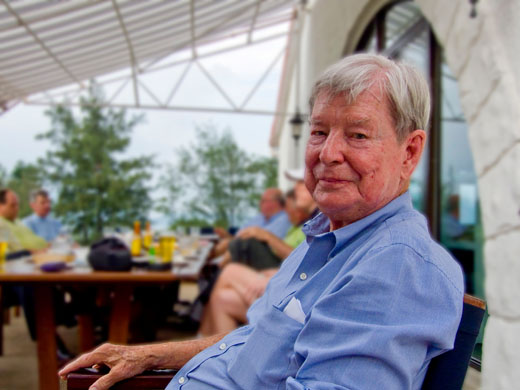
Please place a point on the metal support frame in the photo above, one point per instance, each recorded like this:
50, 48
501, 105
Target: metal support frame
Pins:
133, 62
166, 104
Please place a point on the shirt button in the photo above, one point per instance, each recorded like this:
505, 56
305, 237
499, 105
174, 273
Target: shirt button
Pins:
182, 380
303, 276
222, 346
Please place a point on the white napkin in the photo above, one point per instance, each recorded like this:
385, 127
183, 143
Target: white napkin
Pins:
294, 310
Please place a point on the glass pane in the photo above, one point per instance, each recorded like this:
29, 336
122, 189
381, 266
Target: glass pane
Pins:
372, 42
368, 41
399, 19
415, 52
461, 230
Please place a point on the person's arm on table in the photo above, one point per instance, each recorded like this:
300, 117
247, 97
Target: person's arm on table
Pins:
277, 245
127, 361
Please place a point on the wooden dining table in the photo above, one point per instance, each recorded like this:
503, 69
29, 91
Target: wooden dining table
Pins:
122, 285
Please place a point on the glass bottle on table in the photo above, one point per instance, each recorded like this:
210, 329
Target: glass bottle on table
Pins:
3, 248
148, 237
135, 247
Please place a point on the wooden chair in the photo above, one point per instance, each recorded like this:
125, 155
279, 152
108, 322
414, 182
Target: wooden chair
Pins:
148, 380
445, 372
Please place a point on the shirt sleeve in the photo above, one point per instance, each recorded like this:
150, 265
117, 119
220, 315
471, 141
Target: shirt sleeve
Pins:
279, 225
379, 325
28, 239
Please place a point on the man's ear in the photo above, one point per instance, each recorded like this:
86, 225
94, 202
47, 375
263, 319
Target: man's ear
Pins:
413, 148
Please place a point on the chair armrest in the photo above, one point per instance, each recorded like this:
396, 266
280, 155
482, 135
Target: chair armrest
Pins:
148, 380
475, 364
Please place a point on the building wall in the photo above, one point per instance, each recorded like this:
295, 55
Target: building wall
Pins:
482, 53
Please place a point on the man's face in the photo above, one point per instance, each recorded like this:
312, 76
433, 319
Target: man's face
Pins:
9, 210
354, 163
295, 213
41, 206
269, 203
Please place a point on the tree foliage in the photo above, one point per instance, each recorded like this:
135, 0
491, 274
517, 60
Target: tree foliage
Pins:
96, 187
3, 177
215, 181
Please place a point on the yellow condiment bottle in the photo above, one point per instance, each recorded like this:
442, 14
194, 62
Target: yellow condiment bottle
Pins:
135, 248
148, 238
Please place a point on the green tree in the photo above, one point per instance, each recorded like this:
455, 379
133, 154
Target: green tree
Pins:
265, 170
3, 177
215, 181
24, 179
96, 187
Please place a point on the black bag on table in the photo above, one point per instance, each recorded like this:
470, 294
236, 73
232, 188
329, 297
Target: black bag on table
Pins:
110, 254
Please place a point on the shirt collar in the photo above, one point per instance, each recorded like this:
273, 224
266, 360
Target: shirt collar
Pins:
274, 216
320, 225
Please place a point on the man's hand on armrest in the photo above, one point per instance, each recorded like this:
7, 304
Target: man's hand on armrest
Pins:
127, 361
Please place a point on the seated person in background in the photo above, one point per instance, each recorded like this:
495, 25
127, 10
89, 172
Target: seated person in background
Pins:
260, 249
239, 285
369, 298
272, 218
18, 236
40, 222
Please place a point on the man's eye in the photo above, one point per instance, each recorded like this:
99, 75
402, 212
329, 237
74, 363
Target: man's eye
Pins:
359, 136
318, 133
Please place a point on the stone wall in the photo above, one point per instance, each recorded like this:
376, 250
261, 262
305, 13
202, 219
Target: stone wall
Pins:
483, 54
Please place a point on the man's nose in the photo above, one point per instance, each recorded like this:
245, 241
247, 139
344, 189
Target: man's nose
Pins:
333, 150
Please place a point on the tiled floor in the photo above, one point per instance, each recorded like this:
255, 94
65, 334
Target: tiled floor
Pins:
18, 365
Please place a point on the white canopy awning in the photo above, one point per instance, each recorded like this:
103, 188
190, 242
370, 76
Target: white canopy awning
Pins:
49, 44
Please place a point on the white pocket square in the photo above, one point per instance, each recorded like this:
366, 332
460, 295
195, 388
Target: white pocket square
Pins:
294, 310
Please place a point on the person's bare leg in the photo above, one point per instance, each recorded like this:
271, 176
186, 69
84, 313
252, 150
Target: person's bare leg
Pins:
237, 276
206, 321
211, 312
224, 311
235, 289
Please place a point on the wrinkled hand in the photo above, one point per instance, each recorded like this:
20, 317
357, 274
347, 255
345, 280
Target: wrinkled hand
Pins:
123, 361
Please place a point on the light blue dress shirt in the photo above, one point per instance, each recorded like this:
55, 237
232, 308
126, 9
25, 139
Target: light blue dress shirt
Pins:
48, 227
278, 224
379, 298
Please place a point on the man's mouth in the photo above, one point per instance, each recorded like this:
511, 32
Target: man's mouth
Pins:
332, 179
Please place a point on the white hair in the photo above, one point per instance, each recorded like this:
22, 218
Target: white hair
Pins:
406, 89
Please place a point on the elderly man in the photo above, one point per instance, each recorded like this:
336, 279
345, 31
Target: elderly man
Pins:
369, 299
18, 236
259, 248
272, 217
40, 222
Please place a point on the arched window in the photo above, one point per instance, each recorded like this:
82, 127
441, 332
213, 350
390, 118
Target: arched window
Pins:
444, 185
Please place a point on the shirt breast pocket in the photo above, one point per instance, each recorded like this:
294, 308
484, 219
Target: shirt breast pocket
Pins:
267, 358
